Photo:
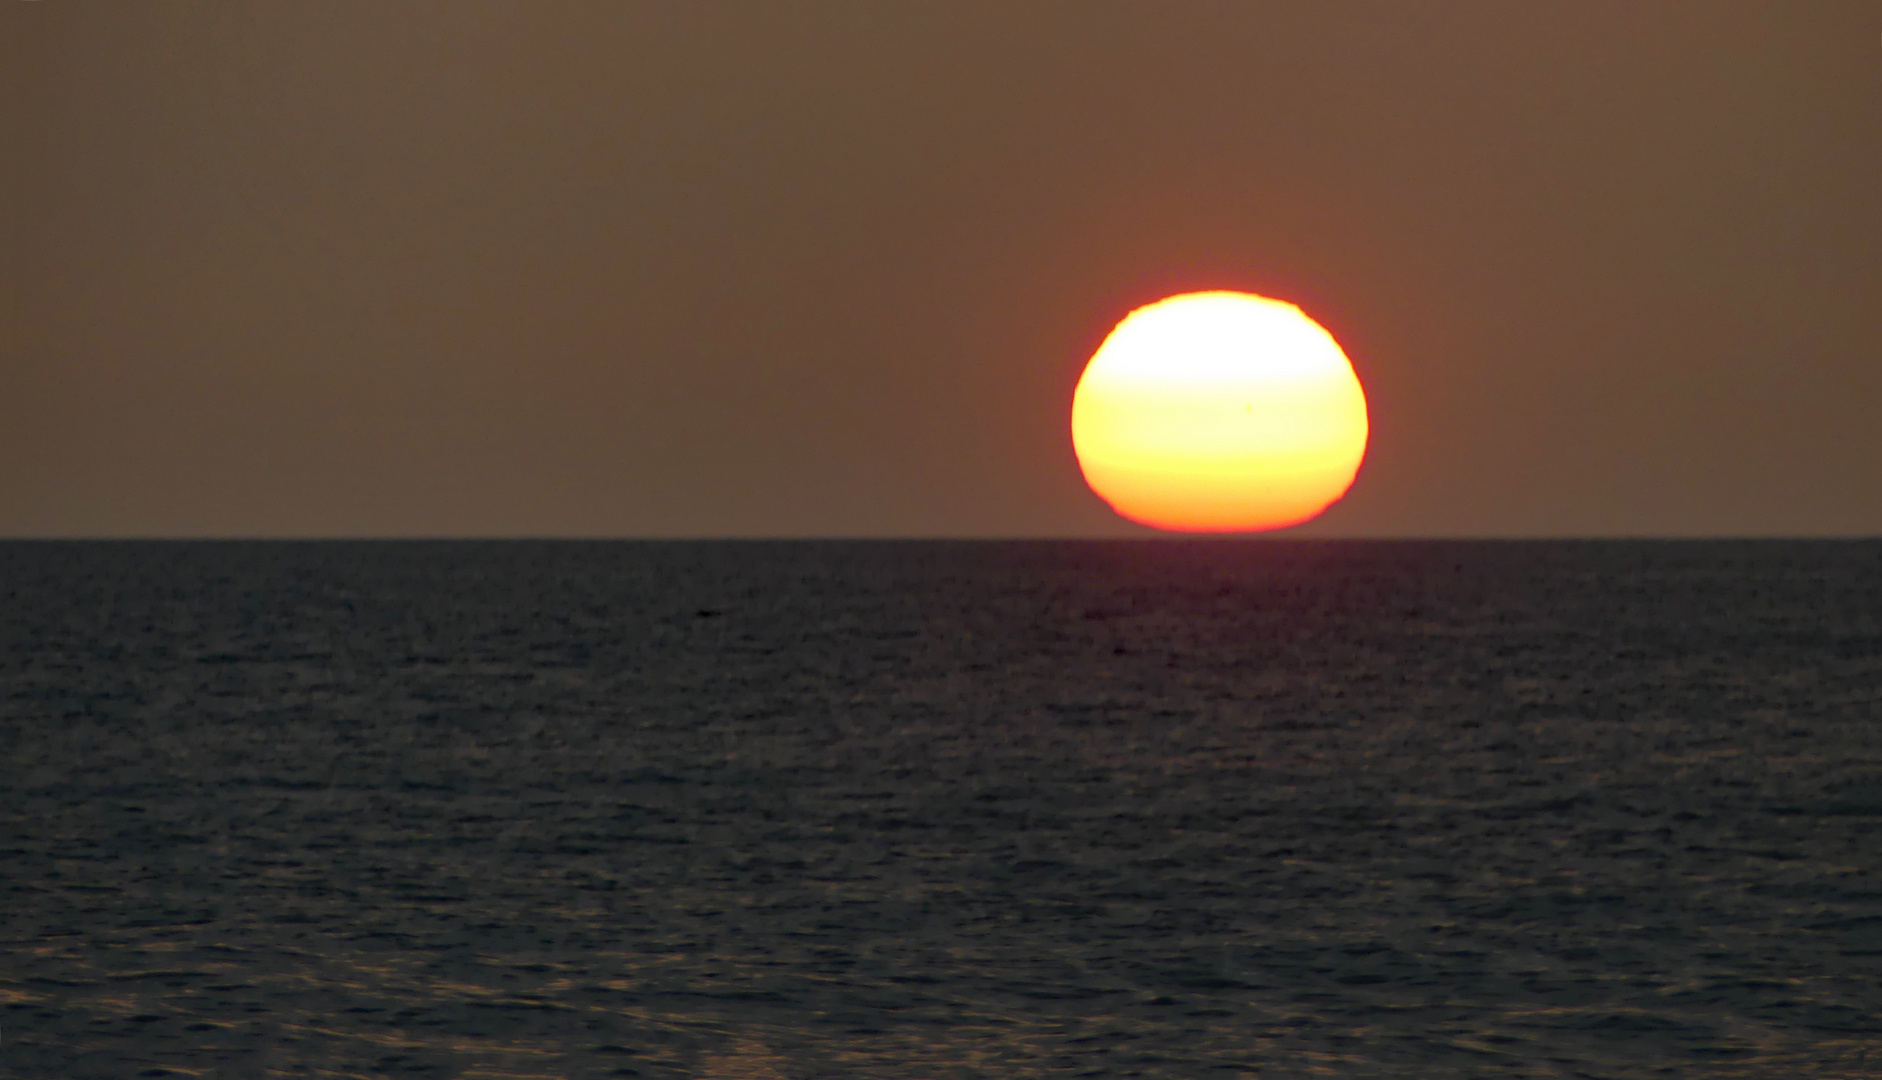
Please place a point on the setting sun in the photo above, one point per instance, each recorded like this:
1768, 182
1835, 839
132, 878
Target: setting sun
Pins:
1219, 412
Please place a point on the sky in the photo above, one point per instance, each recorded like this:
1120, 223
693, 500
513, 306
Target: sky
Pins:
833, 269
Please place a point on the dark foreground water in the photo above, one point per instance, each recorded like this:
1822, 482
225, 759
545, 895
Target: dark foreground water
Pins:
790, 810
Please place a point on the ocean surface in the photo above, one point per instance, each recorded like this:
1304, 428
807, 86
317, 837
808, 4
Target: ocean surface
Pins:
1085, 809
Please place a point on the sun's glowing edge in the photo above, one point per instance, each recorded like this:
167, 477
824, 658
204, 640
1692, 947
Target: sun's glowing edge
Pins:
1174, 427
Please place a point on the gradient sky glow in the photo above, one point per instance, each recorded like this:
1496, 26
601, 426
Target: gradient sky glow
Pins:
833, 269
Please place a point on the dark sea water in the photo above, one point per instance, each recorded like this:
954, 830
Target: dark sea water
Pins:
791, 810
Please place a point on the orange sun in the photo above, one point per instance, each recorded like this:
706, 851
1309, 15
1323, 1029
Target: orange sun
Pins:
1219, 412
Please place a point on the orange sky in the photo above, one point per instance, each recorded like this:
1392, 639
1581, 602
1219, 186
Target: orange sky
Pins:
834, 269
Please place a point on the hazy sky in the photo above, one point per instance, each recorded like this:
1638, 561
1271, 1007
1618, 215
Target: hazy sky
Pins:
800, 268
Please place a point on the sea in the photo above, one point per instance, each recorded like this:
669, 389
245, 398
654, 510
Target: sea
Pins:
769, 810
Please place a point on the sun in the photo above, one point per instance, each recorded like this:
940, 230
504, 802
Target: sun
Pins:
1219, 412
